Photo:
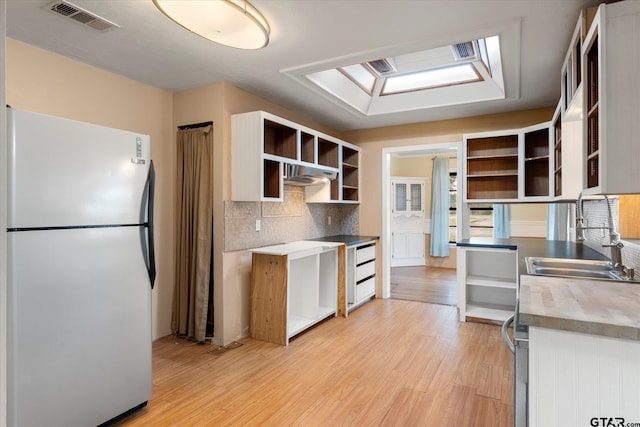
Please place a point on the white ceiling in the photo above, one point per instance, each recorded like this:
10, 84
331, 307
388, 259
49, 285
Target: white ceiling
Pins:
151, 49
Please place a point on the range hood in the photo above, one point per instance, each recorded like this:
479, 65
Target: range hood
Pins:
306, 175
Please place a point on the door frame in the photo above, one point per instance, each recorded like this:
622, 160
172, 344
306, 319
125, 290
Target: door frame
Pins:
418, 150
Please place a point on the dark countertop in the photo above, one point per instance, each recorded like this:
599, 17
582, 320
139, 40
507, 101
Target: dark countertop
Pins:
528, 246
347, 239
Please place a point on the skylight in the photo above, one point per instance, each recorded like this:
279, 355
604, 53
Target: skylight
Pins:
464, 72
455, 74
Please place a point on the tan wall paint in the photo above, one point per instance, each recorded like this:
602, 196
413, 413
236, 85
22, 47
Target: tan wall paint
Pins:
48, 83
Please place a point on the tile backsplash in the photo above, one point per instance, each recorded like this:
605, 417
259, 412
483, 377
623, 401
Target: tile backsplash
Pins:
596, 215
287, 221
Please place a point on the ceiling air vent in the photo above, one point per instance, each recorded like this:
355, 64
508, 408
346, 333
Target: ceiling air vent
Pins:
82, 16
464, 51
382, 66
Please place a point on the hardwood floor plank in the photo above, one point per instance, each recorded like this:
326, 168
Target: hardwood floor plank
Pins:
391, 362
434, 285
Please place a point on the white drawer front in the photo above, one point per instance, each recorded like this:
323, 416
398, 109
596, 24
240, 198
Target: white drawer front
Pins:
365, 270
365, 254
365, 289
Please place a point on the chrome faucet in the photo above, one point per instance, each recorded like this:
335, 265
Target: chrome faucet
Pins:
614, 237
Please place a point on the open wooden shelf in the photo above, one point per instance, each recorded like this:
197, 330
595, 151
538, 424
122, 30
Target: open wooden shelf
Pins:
271, 179
327, 153
280, 140
557, 156
536, 163
492, 167
307, 147
593, 119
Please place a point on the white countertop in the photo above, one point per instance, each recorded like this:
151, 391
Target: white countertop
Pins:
297, 249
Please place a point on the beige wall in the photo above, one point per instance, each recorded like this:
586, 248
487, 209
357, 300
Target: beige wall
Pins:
44, 82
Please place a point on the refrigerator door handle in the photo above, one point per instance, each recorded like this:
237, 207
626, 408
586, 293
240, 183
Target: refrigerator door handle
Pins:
150, 238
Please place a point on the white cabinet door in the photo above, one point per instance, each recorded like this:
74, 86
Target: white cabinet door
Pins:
408, 196
408, 248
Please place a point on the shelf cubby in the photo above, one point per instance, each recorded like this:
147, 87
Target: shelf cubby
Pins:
307, 147
280, 140
327, 153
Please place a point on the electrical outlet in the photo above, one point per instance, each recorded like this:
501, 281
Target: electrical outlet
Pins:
328, 220
257, 225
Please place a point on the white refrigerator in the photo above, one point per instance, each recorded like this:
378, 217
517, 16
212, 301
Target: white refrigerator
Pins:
80, 271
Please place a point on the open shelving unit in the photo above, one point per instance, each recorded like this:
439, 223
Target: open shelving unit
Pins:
593, 98
492, 167
557, 153
262, 144
349, 173
536, 162
488, 283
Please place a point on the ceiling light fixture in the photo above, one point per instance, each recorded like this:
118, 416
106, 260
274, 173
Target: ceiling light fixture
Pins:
234, 23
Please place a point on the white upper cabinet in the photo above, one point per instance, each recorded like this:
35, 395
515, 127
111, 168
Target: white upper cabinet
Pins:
611, 125
262, 144
408, 196
509, 166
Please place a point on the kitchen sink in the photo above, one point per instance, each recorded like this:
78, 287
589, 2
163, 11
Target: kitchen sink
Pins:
578, 268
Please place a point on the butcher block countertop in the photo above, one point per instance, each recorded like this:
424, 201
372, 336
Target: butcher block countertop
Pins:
596, 307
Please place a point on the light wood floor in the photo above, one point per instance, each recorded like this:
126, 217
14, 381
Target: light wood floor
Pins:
390, 363
427, 284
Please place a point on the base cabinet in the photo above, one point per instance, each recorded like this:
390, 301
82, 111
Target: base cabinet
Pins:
487, 283
361, 274
578, 379
290, 293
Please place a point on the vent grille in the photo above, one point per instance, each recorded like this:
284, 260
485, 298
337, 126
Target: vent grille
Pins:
69, 10
463, 51
382, 66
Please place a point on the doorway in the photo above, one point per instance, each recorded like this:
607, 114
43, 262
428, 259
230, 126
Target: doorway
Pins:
418, 276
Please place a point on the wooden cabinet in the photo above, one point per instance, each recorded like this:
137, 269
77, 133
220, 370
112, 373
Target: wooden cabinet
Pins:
571, 81
509, 166
487, 283
292, 289
263, 143
557, 151
491, 166
537, 149
360, 274
611, 151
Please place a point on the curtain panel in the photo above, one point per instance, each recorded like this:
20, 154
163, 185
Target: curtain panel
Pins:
501, 221
439, 245
194, 223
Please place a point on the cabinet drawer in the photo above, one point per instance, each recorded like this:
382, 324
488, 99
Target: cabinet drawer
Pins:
365, 289
365, 254
365, 270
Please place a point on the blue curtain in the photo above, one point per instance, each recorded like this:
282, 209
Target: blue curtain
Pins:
557, 221
501, 221
439, 246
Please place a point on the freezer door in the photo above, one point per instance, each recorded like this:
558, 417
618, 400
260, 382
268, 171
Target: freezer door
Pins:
79, 326
67, 173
